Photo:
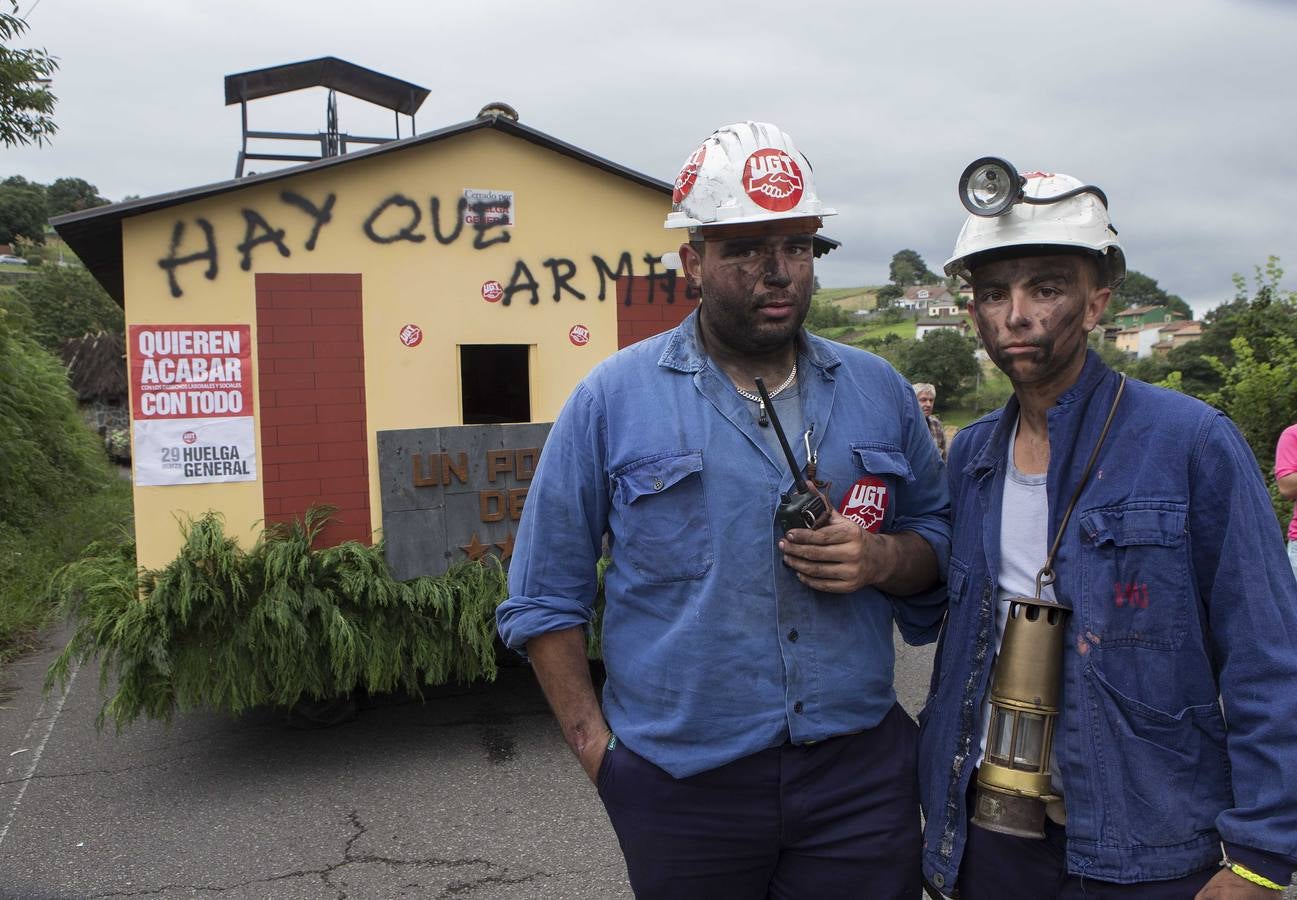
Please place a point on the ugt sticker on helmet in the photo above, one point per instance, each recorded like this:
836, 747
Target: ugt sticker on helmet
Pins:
865, 503
773, 180
689, 174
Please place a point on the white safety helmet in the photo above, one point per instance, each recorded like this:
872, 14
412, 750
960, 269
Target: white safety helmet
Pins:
748, 172
1079, 221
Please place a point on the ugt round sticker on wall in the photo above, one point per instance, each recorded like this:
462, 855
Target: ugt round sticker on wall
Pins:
579, 335
773, 180
492, 291
411, 335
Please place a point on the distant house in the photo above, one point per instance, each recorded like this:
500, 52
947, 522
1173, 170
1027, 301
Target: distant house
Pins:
923, 296
1145, 315
1139, 339
944, 308
1177, 334
957, 324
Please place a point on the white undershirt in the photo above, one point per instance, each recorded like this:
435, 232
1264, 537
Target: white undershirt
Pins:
1024, 545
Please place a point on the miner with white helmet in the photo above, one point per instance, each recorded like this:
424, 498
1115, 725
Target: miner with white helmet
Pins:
1112, 705
749, 744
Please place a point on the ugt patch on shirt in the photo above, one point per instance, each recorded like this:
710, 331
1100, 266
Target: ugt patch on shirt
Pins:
865, 503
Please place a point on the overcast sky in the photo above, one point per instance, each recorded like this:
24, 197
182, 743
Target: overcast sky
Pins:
1181, 110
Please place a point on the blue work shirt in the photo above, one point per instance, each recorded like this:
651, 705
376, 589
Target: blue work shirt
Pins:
714, 650
1182, 602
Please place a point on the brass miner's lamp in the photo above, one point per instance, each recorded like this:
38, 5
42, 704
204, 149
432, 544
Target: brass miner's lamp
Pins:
1013, 782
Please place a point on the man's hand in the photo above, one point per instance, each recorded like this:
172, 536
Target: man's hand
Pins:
558, 659
592, 754
838, 557
1225, 885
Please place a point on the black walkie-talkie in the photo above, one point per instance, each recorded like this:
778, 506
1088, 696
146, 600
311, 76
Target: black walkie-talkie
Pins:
803, 508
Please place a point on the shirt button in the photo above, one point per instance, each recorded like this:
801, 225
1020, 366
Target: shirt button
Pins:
797, 707
657, 484
938, 879
792, 635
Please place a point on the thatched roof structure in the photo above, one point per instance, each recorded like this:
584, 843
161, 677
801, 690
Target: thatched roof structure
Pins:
97, 366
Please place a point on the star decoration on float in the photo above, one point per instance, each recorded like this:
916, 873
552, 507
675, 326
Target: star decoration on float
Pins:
475, 549
506, 545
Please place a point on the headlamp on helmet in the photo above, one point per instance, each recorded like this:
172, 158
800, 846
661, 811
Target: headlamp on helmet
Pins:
990, 187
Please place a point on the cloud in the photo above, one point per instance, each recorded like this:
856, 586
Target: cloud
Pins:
1178, 112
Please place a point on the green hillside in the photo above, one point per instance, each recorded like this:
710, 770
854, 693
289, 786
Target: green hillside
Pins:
849, 299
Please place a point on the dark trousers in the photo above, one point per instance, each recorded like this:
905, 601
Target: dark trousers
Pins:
834, 819
1003, 867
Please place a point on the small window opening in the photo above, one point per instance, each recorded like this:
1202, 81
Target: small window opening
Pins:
495, 382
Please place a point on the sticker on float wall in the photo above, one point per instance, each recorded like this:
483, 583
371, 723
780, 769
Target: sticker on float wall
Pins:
492, 291
191, 398
688, 175
773, 180
411, 335
486, 207
579, 335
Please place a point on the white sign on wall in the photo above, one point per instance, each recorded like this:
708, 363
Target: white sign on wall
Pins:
488, 207
191, 397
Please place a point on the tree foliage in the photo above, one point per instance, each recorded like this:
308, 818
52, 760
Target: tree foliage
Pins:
63, 302
68, 195
908, 268
945, 358
26, 102
1261, 314
824, 314
887, 294
22, 211
1139, 289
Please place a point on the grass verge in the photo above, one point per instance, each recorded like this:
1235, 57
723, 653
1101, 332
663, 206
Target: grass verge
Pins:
30, 556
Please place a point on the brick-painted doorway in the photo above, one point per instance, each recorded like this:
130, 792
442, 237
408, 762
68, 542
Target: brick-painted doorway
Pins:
651, 304
311, 379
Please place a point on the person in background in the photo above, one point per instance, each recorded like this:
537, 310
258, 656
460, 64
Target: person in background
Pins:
1285, 475
927, 396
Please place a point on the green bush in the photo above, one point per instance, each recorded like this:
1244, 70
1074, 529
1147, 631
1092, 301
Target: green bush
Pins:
57, 493
230, 629
47, 453
66, 302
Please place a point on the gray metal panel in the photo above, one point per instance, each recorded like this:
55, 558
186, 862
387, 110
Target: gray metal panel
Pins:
427, 527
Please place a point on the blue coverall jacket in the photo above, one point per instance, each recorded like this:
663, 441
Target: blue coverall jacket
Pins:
1179, 706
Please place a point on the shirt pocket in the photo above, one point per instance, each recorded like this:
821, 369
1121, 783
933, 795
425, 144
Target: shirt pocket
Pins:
1135, 588
1162, 777
666, 533
880, 469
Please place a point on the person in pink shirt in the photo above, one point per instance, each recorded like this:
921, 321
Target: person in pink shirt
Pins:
1285, 474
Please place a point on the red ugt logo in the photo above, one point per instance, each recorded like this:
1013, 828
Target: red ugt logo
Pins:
773, 180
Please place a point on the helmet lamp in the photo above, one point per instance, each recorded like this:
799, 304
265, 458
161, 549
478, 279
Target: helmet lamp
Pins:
990, 186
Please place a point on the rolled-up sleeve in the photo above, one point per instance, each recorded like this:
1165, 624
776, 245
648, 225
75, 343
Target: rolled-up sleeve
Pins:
923, 507
552, 577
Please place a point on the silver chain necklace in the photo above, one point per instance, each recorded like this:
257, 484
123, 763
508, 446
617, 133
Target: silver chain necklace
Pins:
762, 419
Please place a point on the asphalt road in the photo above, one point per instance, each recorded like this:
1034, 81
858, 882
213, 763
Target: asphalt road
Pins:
471, 794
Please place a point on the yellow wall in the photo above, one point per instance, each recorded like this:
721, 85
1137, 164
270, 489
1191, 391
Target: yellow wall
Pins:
564, 208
